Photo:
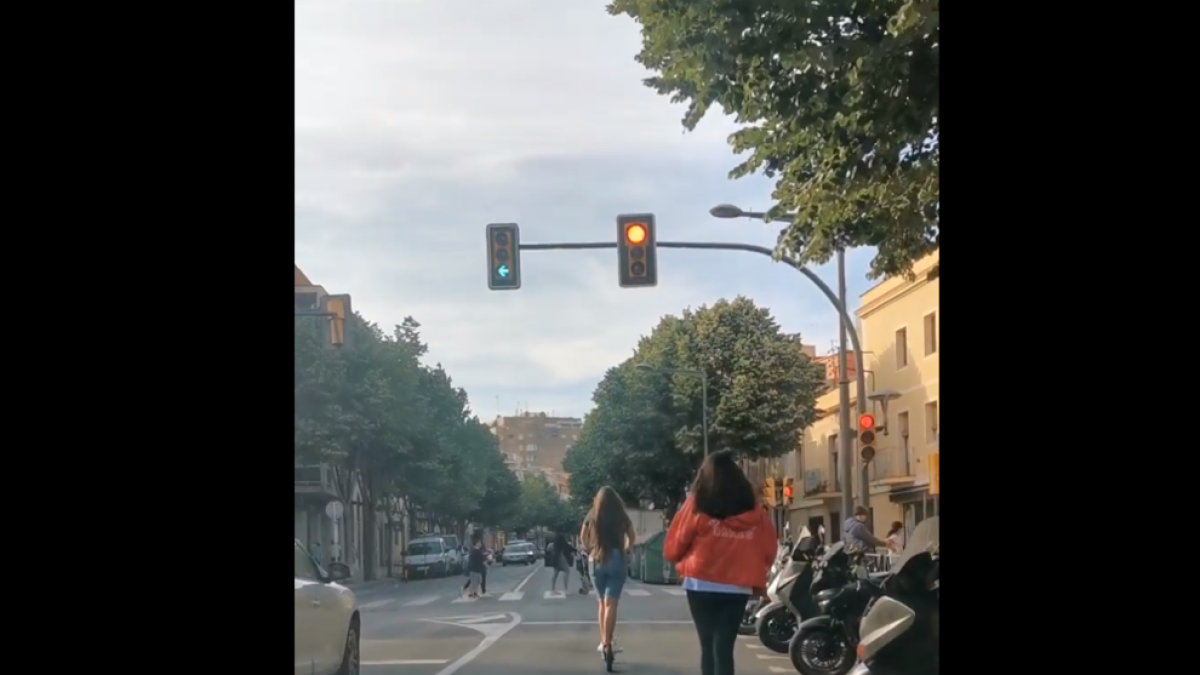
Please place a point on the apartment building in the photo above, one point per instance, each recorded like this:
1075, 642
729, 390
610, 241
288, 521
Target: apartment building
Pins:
536, 443
899, 329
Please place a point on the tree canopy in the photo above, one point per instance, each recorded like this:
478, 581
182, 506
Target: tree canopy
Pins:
540, 506
644, 437
398, 427
838, 101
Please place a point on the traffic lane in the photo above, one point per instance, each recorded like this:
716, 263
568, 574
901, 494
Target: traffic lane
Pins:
416, 648
567, 648
500, 579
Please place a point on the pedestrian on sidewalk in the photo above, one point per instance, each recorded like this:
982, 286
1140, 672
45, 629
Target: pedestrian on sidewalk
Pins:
722, 543
856, 534
315, 550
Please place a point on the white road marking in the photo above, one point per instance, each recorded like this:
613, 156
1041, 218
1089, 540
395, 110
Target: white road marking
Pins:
421, 601
593, 623
777, 669
536, 568
406, 662
772, 656
492, 632
512, 595
755, 646
637, 592
554, 595
464, 598
376, 604
482, 618
675, 591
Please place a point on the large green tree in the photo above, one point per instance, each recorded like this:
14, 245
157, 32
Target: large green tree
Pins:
644, 437
838, 101
395, 427
539, 505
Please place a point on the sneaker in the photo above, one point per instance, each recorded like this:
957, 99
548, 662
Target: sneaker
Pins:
615, 648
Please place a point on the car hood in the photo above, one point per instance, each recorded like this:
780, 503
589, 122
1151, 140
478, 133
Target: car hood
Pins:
427, 559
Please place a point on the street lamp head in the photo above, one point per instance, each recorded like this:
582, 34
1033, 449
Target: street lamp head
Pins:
883, 395
726, 211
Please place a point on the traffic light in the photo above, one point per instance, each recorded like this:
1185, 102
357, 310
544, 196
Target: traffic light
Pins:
769, 492
787, 491
637, 262
866, 437
337, 308
935, 473
504, 256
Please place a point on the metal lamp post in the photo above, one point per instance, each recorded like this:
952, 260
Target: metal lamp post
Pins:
846, 431
646, 367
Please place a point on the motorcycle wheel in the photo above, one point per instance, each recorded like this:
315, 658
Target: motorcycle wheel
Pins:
822, 650
775, 628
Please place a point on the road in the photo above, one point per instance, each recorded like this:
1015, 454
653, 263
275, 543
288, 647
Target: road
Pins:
425, 628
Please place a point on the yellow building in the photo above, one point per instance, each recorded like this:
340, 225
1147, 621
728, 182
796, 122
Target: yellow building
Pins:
898, 326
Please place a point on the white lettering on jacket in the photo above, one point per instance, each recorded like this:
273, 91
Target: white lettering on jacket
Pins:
719, 530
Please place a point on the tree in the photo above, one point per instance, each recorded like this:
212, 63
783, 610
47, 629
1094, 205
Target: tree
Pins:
540, 505
645, 435
838, 100
502, 491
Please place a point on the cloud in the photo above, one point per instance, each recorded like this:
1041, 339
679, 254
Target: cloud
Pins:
420, 121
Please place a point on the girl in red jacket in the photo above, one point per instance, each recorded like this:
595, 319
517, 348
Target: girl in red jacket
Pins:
722, 543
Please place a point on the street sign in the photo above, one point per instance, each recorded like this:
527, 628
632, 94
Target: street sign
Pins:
334, 510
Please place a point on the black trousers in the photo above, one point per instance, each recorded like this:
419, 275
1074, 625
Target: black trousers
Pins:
717, 617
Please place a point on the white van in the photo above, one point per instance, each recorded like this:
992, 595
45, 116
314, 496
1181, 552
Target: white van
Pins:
428, 556
458, 562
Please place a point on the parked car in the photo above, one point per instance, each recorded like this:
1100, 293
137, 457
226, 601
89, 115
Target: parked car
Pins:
429, 557
519, 553
327, 620
458, 561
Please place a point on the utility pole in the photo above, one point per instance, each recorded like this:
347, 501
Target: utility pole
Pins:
845, 434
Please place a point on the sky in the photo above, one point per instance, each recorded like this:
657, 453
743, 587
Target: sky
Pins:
418, 122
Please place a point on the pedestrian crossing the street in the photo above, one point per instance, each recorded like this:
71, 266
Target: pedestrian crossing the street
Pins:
388, 604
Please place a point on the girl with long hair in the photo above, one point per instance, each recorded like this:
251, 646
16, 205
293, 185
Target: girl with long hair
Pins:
609, 535
722, 543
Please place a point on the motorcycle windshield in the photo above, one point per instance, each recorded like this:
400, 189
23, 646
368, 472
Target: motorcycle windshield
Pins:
887, 618
925, 538
833, 550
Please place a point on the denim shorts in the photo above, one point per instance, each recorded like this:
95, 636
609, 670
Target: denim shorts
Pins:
609, 576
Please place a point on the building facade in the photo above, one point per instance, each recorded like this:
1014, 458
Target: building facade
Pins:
535, 443
899, 329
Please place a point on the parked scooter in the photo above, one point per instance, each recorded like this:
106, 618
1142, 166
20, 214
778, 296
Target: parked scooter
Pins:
788, 593
825, 644
747, 627
900, 630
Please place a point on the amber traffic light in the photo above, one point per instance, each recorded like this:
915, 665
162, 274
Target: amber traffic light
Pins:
504, 256
336, 308
866, 437
788, 493
768, 492
637, 261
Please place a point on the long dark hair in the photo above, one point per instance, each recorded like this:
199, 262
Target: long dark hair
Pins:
896, 527
721, 490
606, 524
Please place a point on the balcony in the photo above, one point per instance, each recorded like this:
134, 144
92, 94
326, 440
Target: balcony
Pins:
818, 483
317, 482
889, 468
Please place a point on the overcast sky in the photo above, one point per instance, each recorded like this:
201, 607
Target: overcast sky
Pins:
420, 121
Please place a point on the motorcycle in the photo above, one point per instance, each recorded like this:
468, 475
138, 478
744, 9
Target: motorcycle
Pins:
825, 644
747, 627
788, 594
900, 629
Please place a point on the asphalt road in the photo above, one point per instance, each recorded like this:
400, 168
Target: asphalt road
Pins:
424, 627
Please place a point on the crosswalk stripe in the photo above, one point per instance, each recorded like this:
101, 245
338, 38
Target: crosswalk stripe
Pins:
637, 592
675, 591
464, 599
421, 601
554, 595
512, 595
777, 669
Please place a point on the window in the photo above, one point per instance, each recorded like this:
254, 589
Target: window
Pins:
931, 422
930, 333
530, 447
835, 474
305, 567
901, 348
